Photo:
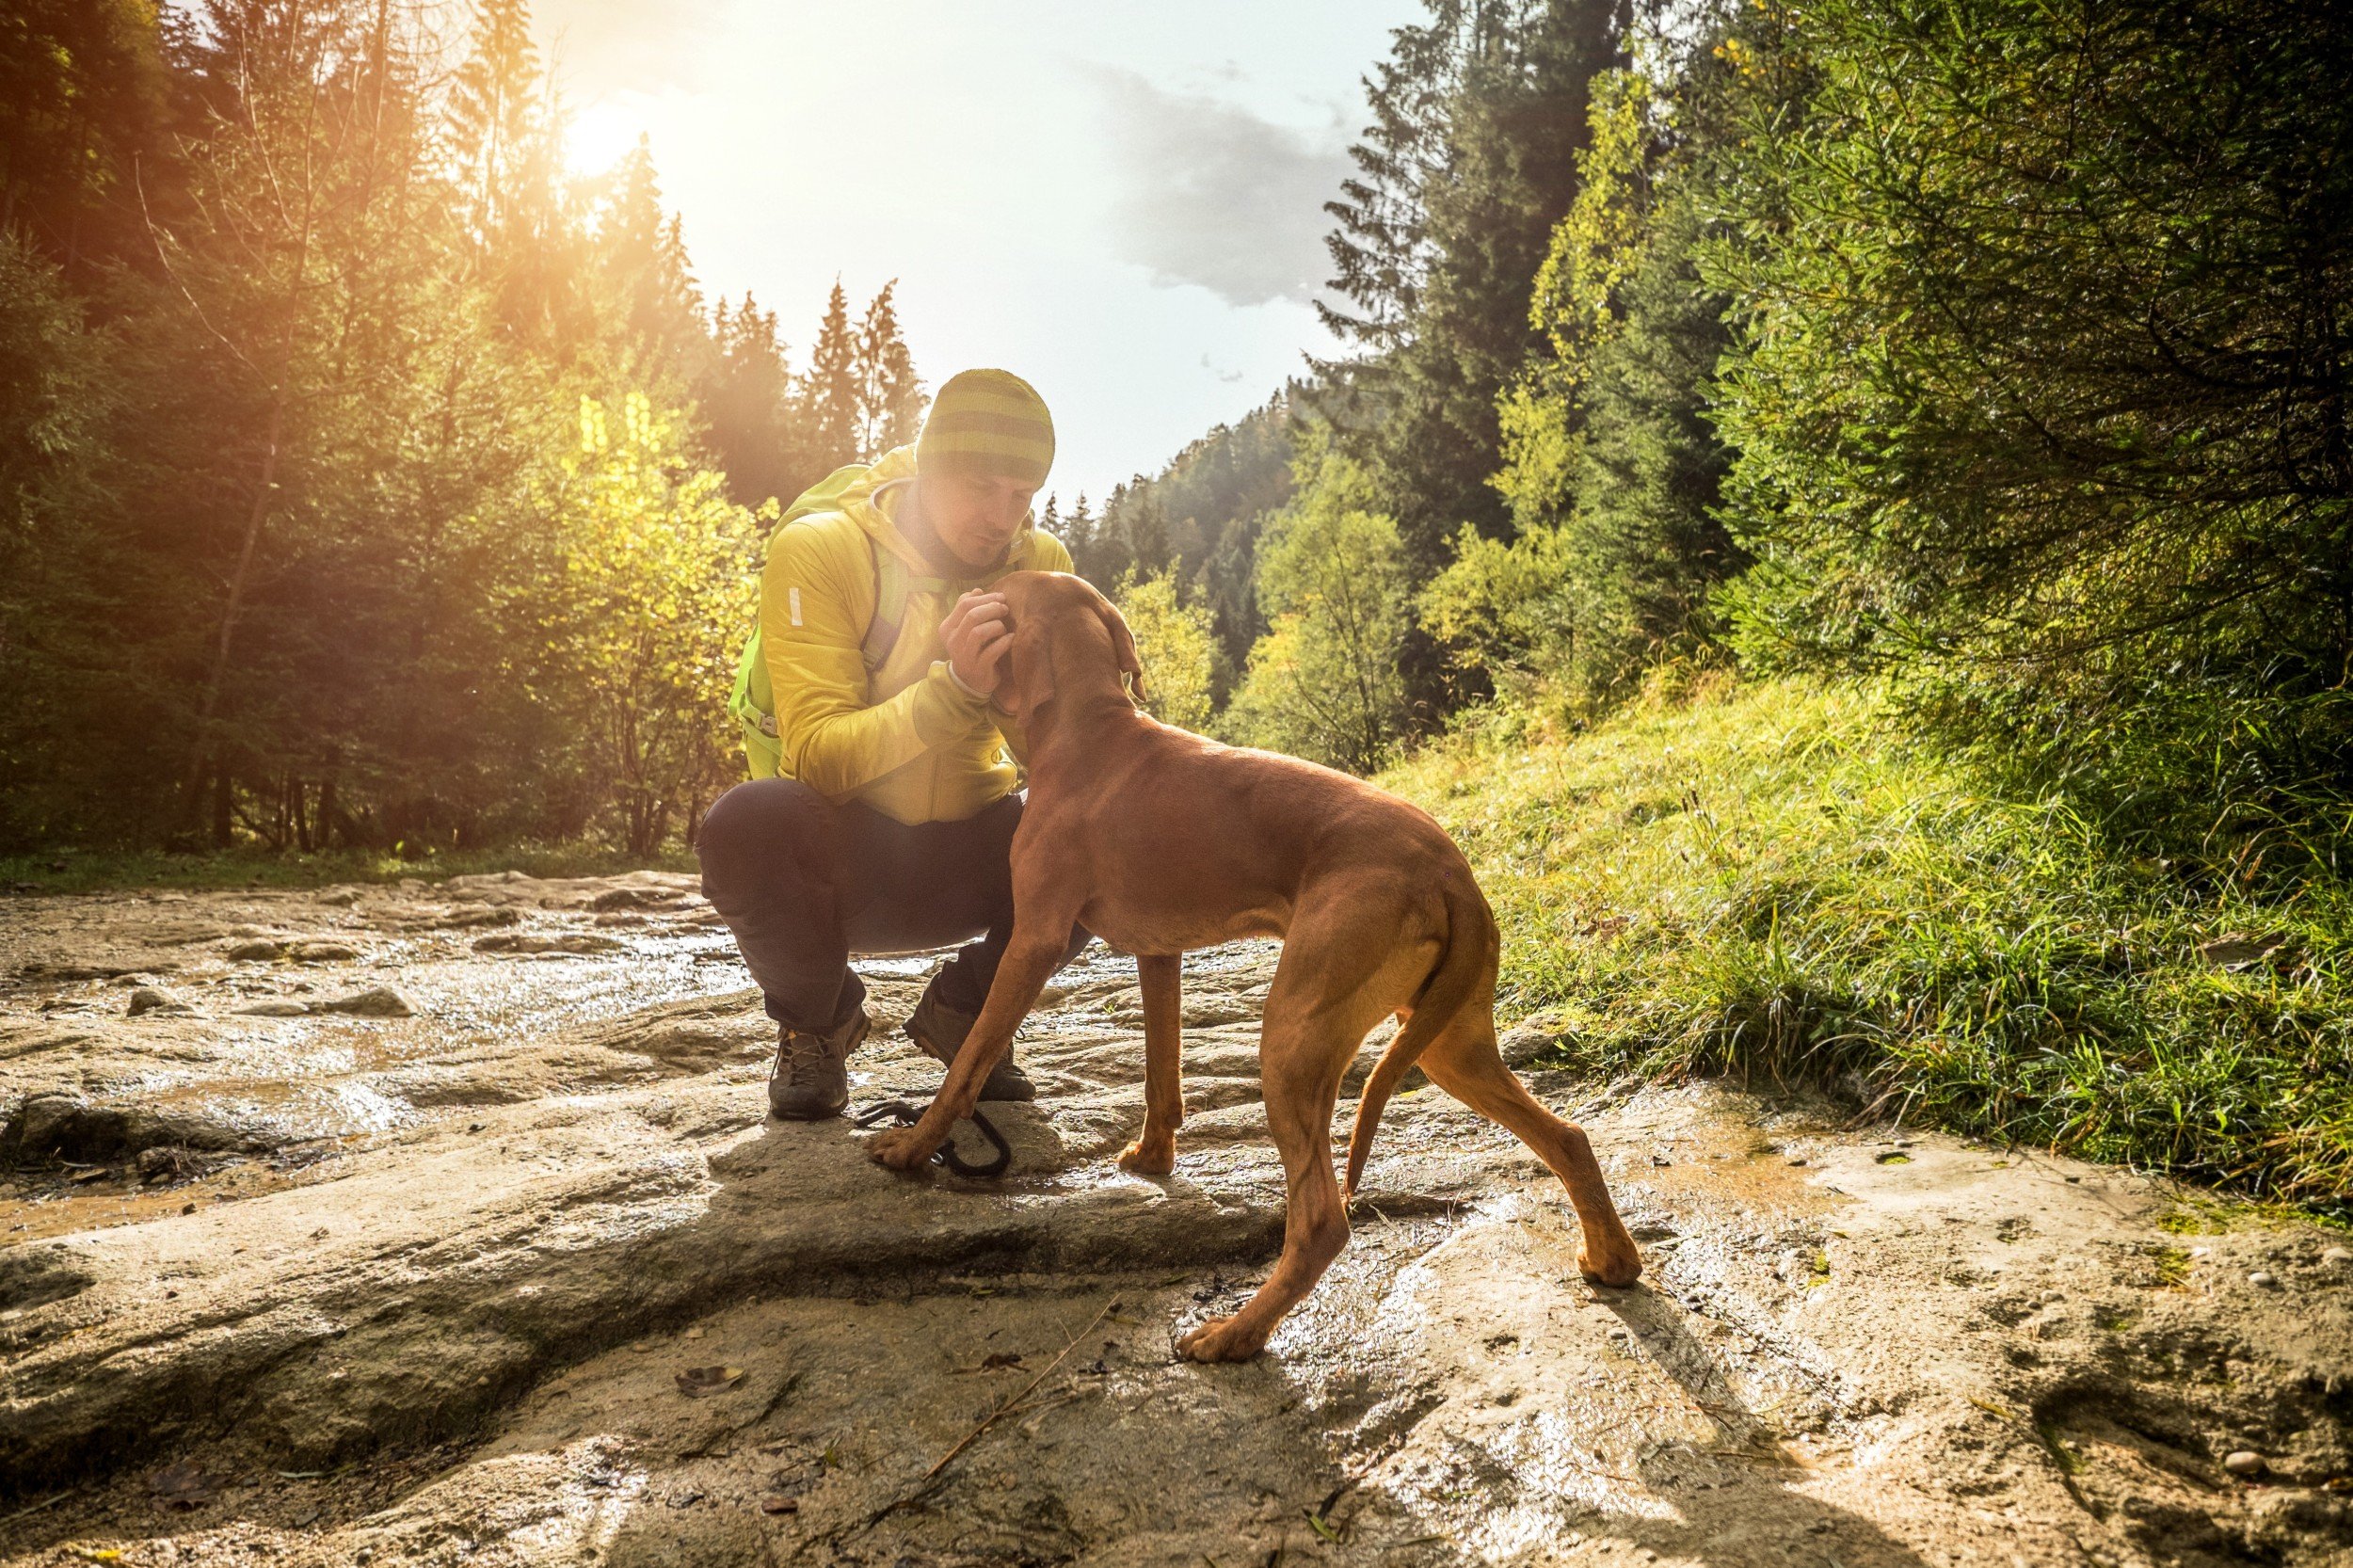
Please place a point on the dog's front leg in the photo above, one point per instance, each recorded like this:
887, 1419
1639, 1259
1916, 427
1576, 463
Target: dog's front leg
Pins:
1021, 974
1154, 1153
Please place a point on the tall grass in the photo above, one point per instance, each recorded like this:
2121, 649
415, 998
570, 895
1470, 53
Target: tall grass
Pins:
1771, 881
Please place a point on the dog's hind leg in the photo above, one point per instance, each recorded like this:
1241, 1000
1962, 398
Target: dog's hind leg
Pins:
1154, 1152
1334, 983
1464, 1062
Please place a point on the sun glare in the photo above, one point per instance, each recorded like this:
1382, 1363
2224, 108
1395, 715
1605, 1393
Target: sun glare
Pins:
599, 136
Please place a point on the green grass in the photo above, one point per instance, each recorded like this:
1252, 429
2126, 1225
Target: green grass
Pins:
1774, 882
85, 871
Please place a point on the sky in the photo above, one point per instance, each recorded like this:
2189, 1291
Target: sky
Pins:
1120, 201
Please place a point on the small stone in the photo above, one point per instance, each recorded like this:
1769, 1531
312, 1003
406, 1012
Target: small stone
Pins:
2201, 1251
2338, 1257
147, 998
257, 950
377, 1002
779, 1505
2264, 1279
2051, 1296
281, 1008
321, 953
2245, 1462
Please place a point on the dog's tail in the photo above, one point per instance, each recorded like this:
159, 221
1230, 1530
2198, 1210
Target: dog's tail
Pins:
1461, 962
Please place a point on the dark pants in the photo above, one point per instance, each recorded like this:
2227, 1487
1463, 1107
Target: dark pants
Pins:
804, 884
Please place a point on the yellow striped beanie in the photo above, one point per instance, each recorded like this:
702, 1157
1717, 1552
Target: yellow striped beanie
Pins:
988, 422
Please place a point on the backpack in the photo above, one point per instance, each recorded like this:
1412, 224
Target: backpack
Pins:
753, 701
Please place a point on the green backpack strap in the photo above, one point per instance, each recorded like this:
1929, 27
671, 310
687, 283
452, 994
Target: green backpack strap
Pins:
893, 583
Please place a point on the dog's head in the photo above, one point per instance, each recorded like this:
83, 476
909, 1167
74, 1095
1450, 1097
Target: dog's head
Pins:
1064, 633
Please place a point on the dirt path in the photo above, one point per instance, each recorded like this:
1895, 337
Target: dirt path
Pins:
383, 1231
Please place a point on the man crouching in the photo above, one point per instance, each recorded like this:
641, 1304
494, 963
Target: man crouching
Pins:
883, 801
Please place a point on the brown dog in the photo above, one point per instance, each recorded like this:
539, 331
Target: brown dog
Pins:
1161, 841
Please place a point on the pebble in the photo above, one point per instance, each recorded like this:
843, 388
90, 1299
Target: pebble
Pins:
147, 998
2243, 1463
2050, 1296
2264, 1279
2337, 1258
377, 1002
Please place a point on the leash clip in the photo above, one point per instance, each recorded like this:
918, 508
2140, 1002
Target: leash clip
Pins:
900, 1114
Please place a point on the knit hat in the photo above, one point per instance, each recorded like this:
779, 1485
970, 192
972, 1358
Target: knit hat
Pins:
988, 422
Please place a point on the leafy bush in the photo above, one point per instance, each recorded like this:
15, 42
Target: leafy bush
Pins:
1177, 645
1323, 683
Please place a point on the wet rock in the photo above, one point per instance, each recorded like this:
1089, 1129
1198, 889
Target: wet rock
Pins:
531, 942
167, 1162
73, 1126
321, 951
148, 998
41, 1126
464, 918
377, 1002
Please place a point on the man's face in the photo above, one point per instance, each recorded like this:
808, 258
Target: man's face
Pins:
974, 514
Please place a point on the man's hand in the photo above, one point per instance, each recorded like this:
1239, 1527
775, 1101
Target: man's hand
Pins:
978, 632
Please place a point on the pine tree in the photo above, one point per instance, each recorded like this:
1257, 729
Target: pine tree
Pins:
829, 392
890, 397
649, 282
493, 115
82, 110
747, 400
1380, 250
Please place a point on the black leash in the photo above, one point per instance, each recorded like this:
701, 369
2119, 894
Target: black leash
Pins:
904, 1115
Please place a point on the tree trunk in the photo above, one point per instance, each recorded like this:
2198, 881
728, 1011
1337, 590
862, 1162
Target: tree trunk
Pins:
224, 806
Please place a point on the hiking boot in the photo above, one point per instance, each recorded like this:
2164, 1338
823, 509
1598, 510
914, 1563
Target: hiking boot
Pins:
810, 1080
939, 1031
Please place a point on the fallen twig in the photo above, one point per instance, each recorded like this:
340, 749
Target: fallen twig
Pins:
1003, 1407
990, 1419
36, 1508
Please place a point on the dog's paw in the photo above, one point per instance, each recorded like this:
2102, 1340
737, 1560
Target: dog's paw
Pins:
1219, 1340
902, 1148
1148, 1159
1616, 1271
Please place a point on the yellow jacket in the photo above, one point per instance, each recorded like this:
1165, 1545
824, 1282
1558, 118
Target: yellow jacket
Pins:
908, 740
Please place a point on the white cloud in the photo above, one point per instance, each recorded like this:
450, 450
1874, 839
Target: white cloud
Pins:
1211, 194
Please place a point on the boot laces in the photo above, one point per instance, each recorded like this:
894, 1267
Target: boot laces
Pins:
799, 1054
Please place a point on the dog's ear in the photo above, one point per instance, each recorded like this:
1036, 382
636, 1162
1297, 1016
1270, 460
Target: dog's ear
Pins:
1124, 645
1029, 673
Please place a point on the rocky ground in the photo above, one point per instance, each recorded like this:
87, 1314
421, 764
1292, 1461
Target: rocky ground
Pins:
438, 1224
